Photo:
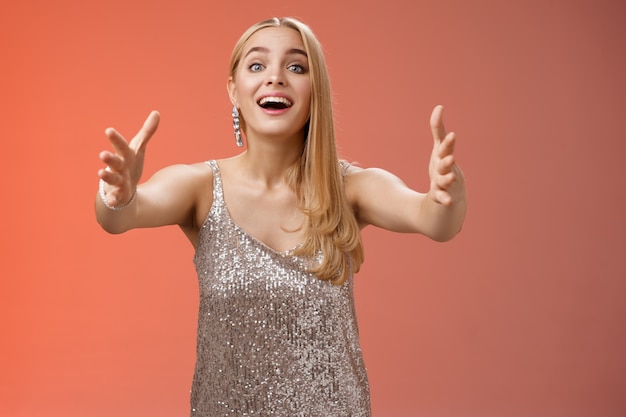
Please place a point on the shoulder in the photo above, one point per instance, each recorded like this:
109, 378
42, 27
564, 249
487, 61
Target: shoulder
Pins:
200, 176
185, 173
360, 180
378, 197
187, 184
192, 186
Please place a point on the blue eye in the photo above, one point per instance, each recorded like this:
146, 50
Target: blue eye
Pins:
298, 69
256, 67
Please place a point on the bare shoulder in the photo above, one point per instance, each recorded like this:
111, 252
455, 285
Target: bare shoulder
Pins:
198, 168
187, 189
185, 176
380, 198
359, 180
182, 186
201, 177
358, 172
201, 171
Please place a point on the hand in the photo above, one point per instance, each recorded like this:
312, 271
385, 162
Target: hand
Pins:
124, 167
445, 175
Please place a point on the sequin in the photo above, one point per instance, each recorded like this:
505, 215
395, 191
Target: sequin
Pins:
273, 340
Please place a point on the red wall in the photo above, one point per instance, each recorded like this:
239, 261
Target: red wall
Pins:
523, 314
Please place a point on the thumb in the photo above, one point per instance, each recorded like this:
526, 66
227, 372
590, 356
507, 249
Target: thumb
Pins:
148, 129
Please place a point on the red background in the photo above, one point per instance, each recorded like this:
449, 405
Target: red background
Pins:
523, 314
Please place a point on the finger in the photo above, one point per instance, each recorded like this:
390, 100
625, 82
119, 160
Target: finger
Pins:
120, 146
443, 182
445, 165
436, 124
142, 137
113, 161
446, 147
442, 197
110, 177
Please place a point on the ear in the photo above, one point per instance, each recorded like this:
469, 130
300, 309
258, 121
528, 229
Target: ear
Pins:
232, 91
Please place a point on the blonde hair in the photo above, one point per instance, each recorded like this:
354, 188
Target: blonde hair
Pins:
332, 229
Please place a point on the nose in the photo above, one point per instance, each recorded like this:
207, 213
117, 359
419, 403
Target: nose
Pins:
275, 77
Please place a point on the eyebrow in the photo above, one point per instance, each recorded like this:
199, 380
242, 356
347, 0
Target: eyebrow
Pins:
262, 49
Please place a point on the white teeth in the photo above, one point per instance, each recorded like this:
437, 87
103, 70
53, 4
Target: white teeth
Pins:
281, 100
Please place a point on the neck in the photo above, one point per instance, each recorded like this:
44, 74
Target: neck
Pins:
269, 161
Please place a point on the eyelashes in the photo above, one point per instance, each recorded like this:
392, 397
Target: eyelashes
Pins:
295, 68
256, 67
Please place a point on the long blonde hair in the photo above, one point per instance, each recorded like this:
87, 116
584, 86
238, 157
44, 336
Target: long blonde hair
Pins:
332, 229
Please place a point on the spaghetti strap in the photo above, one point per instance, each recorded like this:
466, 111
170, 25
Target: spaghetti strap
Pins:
218, 192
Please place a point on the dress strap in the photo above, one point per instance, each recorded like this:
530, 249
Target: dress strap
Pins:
344, 166
218, 192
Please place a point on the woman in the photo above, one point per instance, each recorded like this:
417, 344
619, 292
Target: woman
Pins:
276, 230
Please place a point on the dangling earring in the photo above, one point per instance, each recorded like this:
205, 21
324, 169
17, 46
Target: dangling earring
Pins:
238, 138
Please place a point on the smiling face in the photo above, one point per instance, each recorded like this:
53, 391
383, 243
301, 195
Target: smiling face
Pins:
271, 84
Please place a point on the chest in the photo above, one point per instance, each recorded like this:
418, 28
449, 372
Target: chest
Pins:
270, 216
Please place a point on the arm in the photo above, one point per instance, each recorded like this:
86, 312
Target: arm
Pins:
382, 199
169, 197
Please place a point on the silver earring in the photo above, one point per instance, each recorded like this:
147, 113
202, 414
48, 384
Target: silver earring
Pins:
238, 138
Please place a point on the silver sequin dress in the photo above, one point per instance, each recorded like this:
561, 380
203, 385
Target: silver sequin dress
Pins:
273, 340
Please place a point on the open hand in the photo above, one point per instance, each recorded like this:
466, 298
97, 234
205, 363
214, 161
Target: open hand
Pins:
125, 164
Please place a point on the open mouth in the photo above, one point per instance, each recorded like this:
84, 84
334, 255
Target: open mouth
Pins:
275, 103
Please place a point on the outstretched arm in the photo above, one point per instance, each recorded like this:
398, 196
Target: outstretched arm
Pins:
167, 198
382, 199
